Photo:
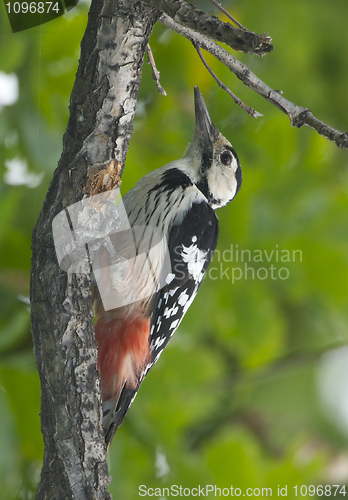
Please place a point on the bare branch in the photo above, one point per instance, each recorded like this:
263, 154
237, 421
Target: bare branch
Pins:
155, 72
237, 100
298, 115
188, 17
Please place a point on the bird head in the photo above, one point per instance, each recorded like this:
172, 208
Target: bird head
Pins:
214, 164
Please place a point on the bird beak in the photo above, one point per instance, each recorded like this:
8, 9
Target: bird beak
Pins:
203, 122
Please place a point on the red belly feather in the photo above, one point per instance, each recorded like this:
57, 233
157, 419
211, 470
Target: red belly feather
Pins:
123, 353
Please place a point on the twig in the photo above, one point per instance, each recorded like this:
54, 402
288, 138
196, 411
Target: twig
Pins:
298, 115
237, 100
189, 17
228, 15
262, 36
155, 72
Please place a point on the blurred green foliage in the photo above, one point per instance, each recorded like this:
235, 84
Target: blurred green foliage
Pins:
237, 398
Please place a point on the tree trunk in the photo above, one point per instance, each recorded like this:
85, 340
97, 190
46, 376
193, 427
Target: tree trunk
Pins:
102, 108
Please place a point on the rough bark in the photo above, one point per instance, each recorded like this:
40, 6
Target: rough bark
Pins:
102, 108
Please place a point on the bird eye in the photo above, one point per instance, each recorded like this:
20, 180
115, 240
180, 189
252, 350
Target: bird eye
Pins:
226, 158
